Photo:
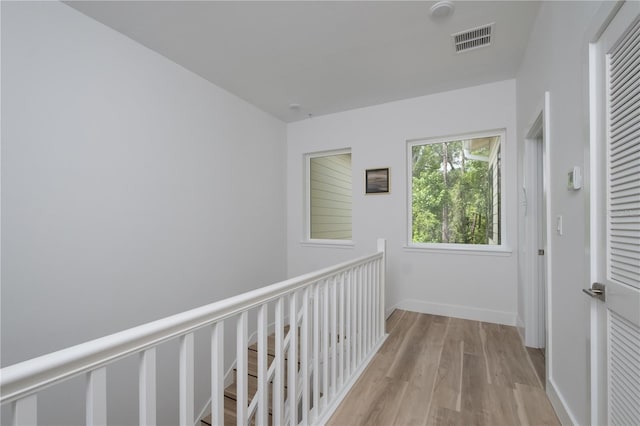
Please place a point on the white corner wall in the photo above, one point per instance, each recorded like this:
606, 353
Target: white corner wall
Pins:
466, 285
131, 189
556, 60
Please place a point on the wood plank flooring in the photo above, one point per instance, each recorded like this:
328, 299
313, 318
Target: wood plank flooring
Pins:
435, 370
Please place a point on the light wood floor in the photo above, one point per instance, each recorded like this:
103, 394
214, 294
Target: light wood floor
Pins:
435, 370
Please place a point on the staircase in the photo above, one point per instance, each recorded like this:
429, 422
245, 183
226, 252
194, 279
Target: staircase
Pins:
230, 394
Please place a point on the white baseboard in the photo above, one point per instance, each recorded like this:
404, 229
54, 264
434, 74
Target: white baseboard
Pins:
456, 311
337, 400
520, 327
559, 404
389, 311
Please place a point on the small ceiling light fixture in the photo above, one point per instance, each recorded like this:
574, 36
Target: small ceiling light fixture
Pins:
442, 9
294, 107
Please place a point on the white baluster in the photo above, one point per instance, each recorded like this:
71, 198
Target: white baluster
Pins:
304, 355
334, 335
278, 378
376, 301
349, 317
363, 312
360, 328
263, 390
96, 408
367, 308
292, 389
316, 347
325, 343
370, 305
147, 387
25, 411
217, 373
380, 312
382, 247
341, 333
241, 369
186, 380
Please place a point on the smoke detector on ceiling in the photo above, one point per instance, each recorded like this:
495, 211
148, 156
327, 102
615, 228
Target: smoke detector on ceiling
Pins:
474, 38
442, 9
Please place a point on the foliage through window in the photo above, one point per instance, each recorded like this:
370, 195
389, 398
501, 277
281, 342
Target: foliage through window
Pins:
455, 190
329, 196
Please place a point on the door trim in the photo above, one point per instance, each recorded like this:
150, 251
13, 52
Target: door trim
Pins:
532, 321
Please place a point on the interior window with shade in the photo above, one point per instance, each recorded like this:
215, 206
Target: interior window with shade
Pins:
329, 186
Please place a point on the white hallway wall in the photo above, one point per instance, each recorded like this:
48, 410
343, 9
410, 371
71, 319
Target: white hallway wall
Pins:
556, 60
460, 284
132, 189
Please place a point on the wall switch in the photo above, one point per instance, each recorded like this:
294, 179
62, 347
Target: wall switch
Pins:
559, 224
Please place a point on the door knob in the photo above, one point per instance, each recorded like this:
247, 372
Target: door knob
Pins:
596, 290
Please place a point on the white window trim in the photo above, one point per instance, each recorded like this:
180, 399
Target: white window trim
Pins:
501, 249
306, 232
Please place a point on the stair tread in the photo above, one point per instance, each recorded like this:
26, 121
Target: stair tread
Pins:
252, 361
252, 388
252, 364
230, 418
271, 342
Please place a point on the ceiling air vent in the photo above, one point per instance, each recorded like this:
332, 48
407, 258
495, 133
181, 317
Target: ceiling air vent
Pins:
473, 38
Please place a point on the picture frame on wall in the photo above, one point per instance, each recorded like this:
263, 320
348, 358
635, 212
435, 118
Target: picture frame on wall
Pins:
377, 181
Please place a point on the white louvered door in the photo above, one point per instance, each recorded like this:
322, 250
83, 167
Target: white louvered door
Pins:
615, 215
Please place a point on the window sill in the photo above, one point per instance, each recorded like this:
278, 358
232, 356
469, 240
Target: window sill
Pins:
501, 251
328, 244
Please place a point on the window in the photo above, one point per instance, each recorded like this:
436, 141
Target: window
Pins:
329, 185
456, 190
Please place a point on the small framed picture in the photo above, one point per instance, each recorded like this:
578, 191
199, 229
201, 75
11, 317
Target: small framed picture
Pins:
377, 181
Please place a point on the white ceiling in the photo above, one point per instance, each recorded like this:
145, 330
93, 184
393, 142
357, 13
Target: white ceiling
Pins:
326, 56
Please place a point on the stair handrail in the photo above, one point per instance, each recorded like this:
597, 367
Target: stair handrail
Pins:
19, 380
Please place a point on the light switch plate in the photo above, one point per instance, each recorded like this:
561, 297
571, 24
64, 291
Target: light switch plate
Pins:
559, 224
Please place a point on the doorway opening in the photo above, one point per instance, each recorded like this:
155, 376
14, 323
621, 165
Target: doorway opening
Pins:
537, 300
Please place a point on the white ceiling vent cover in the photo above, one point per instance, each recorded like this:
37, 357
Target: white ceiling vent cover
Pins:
474, 38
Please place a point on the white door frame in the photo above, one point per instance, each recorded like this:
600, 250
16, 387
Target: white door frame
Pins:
536, 314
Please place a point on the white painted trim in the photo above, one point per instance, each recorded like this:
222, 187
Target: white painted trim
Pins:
332, 244
388, 311
349, 384
464, 249
520, 327
546, 129
306, 231
559, 404
540, 123
504, 246
457, 311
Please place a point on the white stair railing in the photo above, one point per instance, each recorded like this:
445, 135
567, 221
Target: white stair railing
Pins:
336, 324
